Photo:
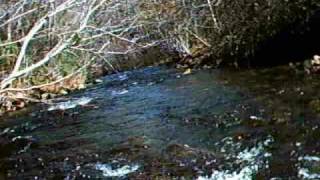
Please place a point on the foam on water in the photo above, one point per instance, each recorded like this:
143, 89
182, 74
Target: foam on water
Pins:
244, 174
108, 171
70, 104
248, 156
304, 172
5, 131
120, 92
123, 77
309, 158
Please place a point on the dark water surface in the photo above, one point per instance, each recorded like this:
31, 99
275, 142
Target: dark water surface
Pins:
156, 123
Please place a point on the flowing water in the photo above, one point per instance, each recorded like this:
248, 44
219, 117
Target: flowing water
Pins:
156, 123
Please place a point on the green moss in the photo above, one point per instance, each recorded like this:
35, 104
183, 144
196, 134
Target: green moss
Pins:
7, 54
68, 63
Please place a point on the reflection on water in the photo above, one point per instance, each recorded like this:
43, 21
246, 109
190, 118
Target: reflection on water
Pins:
156, 123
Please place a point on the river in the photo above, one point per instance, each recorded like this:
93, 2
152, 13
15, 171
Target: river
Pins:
157, 123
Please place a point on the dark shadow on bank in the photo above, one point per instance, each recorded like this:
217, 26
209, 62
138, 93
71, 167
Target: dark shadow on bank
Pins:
297, 42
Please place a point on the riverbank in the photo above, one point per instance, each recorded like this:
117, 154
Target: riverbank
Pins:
55, 47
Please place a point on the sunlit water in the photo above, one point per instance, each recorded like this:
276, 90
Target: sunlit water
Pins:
157, 123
